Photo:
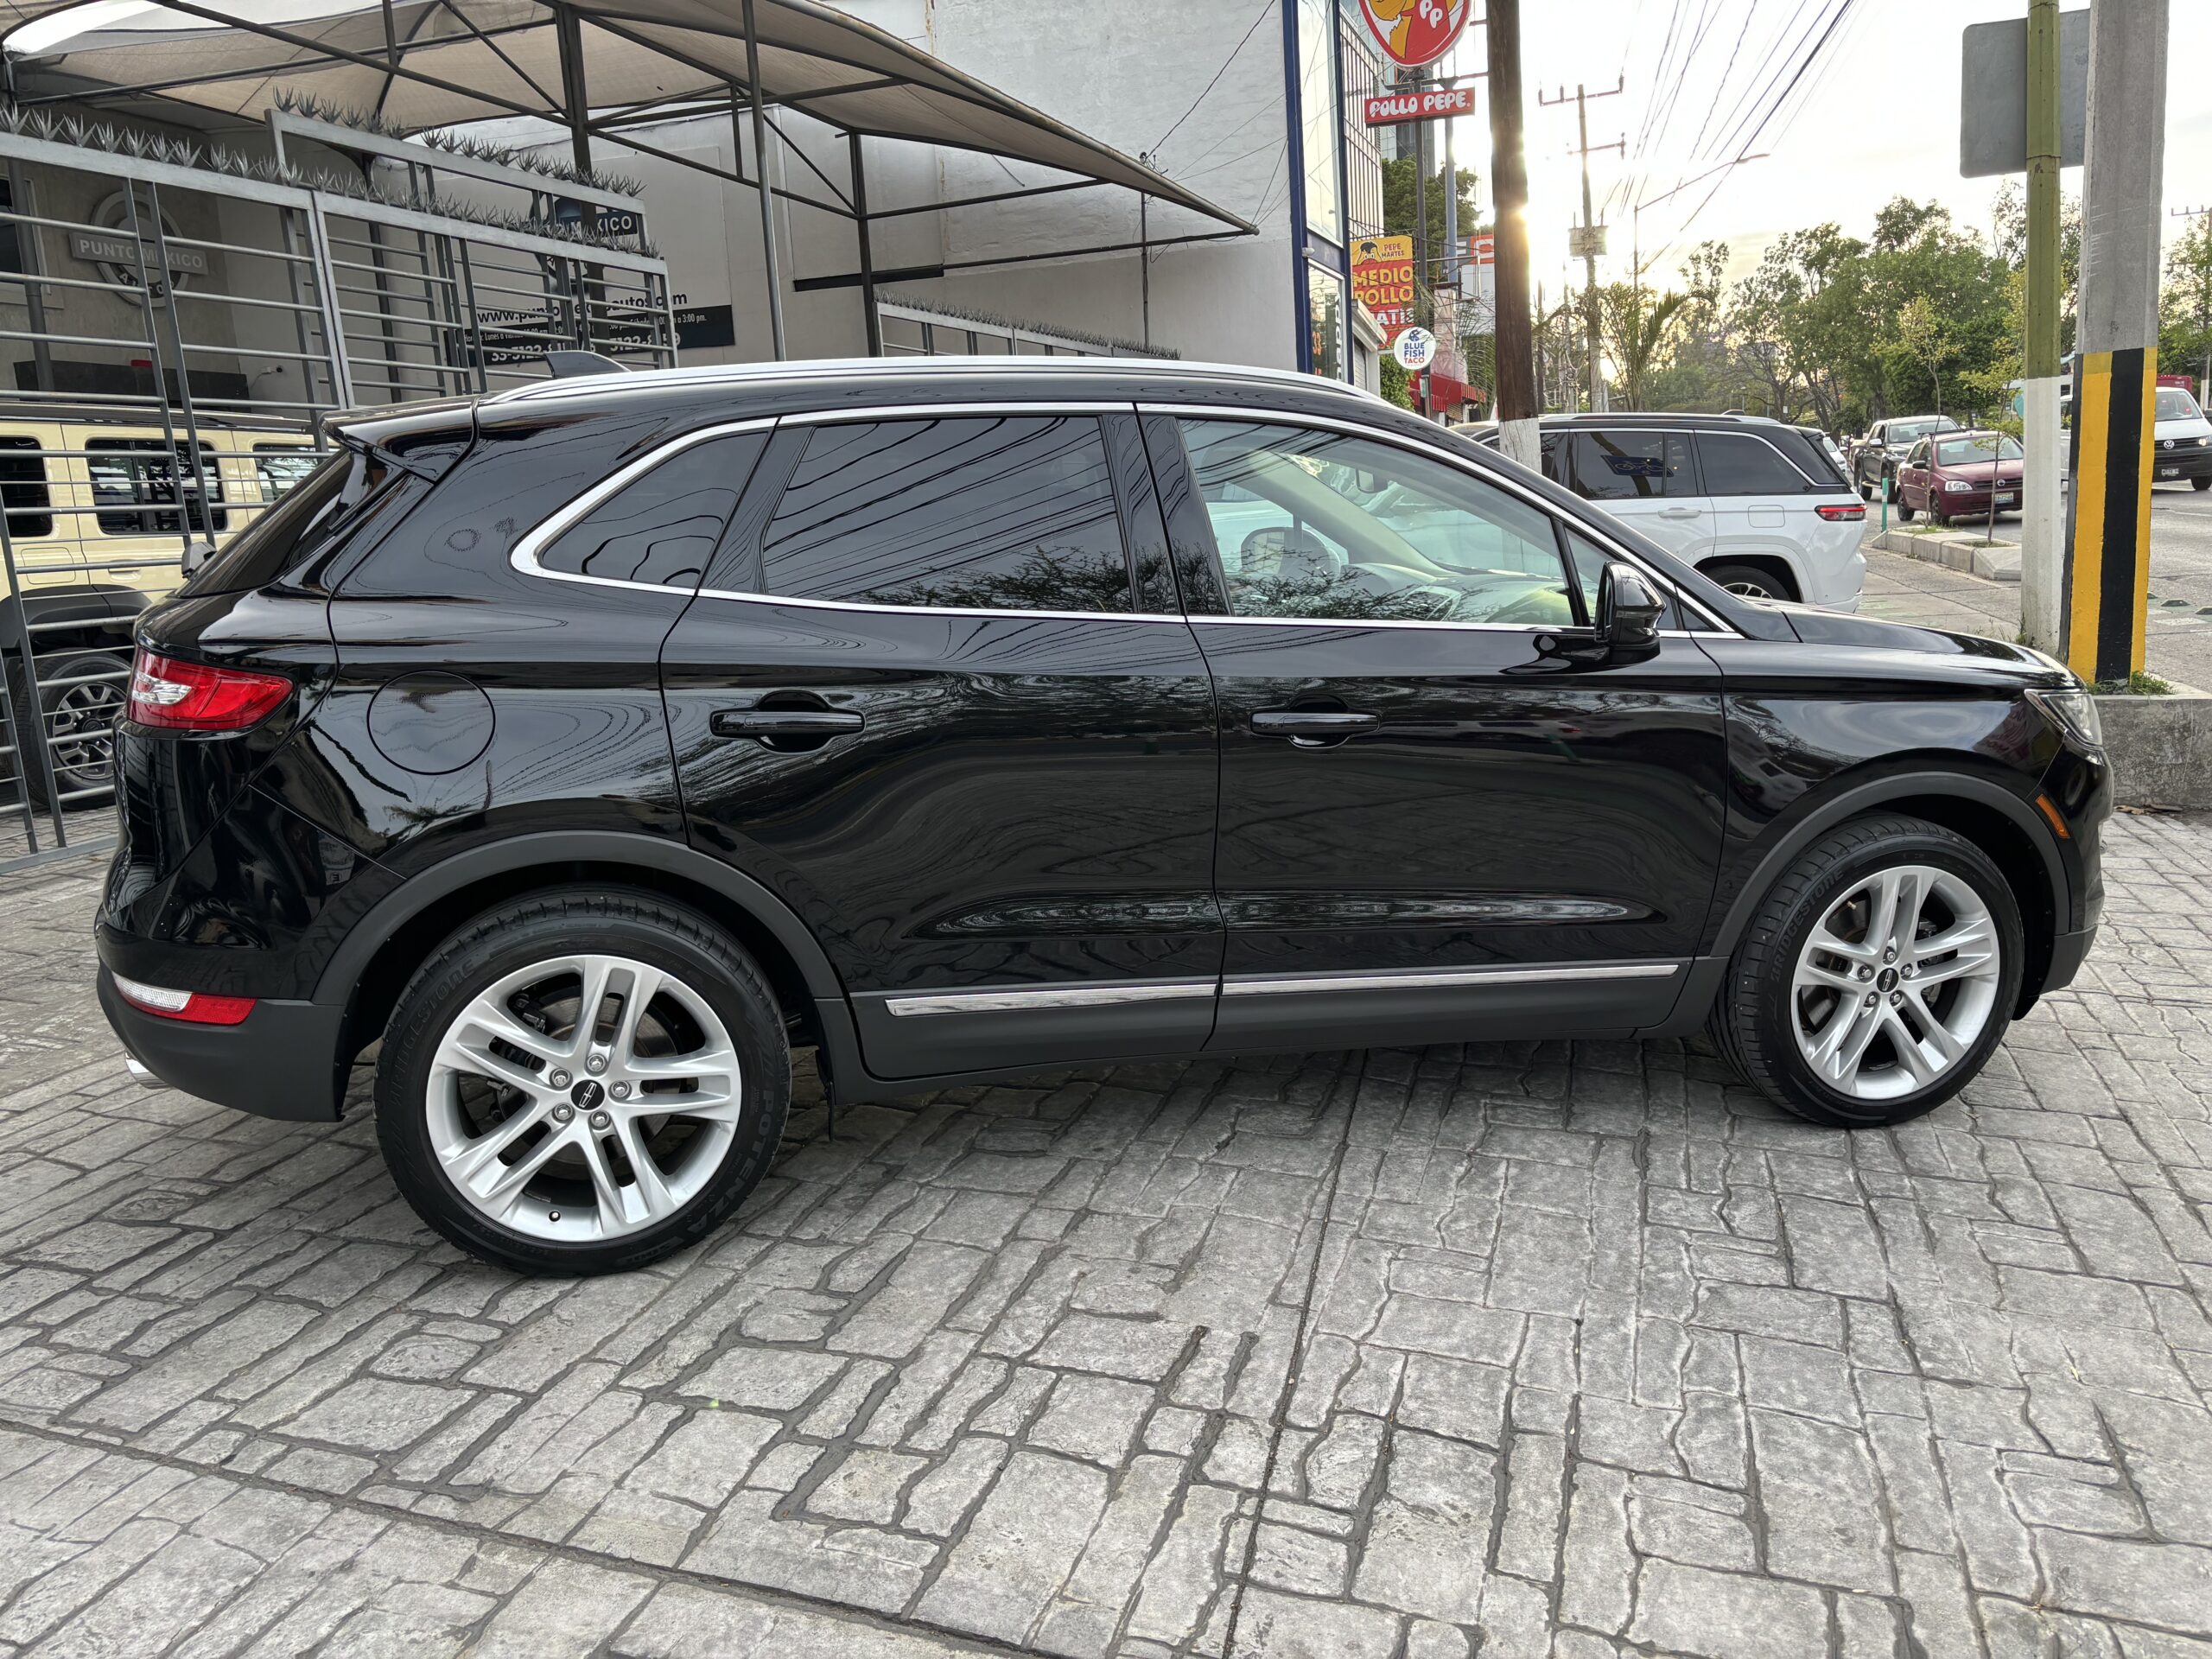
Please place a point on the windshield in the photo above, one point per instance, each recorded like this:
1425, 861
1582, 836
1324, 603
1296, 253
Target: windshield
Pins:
1983, 446
2175, 404
1910, 431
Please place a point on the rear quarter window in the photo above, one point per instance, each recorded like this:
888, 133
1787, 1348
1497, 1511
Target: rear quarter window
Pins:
324, 505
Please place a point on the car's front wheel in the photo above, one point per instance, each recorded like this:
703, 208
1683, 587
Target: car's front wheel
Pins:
582, 1080
1878, 976
2200, 483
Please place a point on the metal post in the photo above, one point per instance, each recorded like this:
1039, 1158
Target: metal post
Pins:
2115, 385
1589, 257
767, 202
161, 372
28, 736
326, 287
2041, 500
1516, 390
868, 254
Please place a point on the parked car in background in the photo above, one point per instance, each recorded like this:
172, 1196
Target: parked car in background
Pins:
1759, 507
593, 745
1952, 474
2183, 437
97, 519
1874, 457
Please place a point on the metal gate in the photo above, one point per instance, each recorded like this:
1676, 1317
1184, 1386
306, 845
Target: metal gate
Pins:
176, 320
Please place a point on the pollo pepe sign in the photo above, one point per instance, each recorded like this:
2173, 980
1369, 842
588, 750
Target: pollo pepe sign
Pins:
1416, 32
1382, 281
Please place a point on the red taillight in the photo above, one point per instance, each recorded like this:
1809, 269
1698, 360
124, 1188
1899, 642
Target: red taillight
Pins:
1836, 515
197, 1007
194, 697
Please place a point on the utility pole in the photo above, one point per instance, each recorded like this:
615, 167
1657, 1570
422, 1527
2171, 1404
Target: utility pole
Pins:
1591, 235
1516, 390
2115, 385
2042, 501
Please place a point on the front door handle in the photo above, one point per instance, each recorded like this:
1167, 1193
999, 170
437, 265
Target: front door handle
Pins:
1311, 726
1678, 513
784, 723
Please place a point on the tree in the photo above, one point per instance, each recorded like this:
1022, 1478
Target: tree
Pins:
1638, 327
2185, 306
1399, 177
1921, 332
1398, 385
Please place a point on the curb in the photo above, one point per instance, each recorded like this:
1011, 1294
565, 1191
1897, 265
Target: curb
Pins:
1957, 551
2160, 748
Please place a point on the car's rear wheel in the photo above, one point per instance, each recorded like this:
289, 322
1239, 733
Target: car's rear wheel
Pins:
582, 1080
1748, 581
81, 695
1905, 508
1878, 976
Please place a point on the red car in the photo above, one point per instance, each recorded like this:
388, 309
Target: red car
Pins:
1948, 475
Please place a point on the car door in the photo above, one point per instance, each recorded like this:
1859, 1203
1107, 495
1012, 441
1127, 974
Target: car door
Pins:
1760, 505
1443, 814
1645, 476
1914, 476
935, 692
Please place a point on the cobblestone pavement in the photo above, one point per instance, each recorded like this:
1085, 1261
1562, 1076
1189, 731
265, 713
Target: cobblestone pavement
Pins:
1525, 1351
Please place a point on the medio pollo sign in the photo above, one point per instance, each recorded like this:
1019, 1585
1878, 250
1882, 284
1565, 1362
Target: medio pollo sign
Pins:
1382, 281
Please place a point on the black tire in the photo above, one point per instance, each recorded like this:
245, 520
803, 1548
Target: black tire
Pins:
1865, 490
1747, 580
639, 925
1753, 1019
1890, 489
81, 712
1904, 512
2201, 483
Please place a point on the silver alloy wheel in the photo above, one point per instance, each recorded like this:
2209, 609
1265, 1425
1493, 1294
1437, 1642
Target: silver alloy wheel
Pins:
1895, 983
81, 731
584, 1097
1749, 589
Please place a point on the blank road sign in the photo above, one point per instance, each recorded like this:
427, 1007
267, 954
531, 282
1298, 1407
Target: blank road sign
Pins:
1993, 95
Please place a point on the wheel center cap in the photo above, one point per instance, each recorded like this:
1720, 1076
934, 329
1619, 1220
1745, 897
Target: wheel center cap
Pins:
587, 1094
1886, 981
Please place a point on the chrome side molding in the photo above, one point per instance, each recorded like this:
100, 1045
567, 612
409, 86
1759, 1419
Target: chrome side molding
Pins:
1024, 998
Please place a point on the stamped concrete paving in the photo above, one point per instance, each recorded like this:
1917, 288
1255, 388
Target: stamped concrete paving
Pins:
1534, 1349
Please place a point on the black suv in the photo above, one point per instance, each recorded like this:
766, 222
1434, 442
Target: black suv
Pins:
592, 746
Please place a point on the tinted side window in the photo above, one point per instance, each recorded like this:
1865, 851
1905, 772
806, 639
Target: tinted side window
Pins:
1590, 561
662, 527
1628, 465
979, 512
1318, 525
1736, 464
1810, 451
23, 496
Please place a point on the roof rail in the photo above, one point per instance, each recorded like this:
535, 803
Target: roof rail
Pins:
842, 368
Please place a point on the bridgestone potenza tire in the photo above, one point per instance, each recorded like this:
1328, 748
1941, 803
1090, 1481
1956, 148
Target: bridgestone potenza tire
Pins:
698, 959
1754, 1019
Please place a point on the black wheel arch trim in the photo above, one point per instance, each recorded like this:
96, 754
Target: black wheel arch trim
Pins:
462, 870
1860, 798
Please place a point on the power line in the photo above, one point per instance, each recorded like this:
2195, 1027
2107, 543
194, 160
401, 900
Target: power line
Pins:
1729, 71
1266, 11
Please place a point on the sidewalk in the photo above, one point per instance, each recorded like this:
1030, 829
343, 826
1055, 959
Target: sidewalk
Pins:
1899, 589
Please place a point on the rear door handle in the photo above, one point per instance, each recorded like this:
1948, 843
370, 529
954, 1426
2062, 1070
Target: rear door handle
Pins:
1312, 724
784, 723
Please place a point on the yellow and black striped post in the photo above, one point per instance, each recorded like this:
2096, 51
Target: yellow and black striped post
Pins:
2108, 515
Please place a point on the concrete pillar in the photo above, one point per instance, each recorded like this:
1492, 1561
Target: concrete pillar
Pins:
2115, 382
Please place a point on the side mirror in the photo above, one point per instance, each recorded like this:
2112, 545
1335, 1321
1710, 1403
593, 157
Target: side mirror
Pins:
1627, 611
195, 555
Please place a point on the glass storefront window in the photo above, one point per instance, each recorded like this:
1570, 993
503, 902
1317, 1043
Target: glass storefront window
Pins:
1320, 116
1326, 318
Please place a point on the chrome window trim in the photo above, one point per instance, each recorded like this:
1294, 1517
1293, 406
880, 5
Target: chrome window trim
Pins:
1331, 424
936, 610
923, 411
1024, 999
1422, 979
550, 528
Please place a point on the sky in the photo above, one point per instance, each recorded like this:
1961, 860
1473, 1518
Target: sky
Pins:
1875, 115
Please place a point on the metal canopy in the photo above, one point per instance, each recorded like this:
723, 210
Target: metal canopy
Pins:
420, 64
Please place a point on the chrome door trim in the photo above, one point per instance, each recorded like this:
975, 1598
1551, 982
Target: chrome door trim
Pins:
1424, 979
921, 411
1498, 481
550, 529
936, 610
1023, 999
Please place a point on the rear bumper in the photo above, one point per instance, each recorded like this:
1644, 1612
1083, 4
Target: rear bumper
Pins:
280, 1061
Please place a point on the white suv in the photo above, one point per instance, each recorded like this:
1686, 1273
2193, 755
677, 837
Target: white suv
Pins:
1760, 506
